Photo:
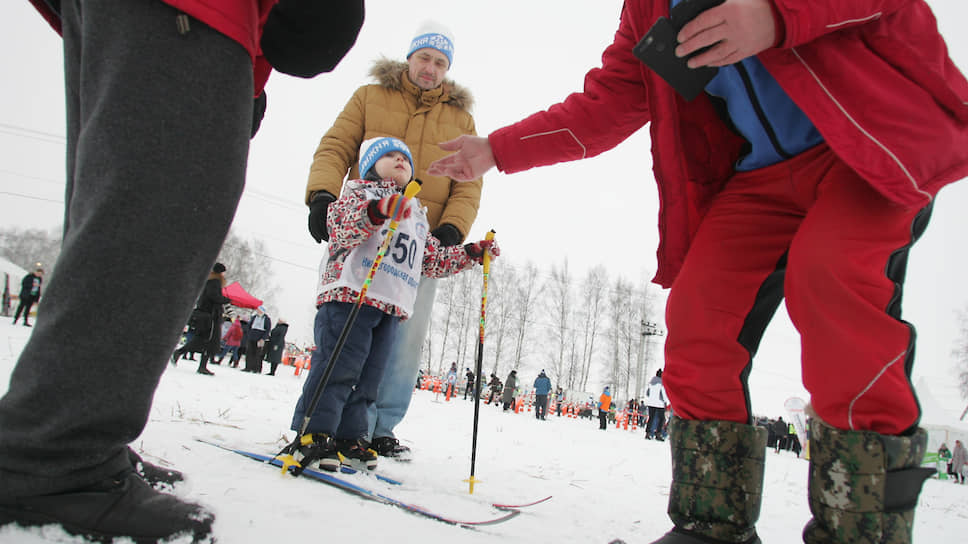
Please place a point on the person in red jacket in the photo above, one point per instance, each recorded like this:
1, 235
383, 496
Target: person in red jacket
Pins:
806, 170
160, 109
232, 339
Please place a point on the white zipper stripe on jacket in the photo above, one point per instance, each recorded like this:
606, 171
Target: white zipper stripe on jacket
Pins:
869, 136
584, 150
852, 21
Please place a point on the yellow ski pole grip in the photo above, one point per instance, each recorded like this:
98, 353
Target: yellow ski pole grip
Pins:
487, 254
412, 189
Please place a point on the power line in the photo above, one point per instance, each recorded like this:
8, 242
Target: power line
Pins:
36, 178
31, 197
25, 132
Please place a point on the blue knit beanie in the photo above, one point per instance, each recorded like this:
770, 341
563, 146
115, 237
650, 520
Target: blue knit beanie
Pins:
374, 148
434, 36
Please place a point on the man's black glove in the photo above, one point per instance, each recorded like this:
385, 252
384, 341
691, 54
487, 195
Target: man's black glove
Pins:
258, 112
317, 216
305, 38
447, 234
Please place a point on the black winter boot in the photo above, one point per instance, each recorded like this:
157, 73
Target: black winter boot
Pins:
123, 506
717, 482
863, 486
160, 478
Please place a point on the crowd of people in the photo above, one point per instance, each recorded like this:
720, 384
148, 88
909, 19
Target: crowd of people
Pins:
650, 413
800, 163
955, 463
213, 335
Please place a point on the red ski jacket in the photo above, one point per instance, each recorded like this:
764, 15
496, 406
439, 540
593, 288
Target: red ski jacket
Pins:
874, 77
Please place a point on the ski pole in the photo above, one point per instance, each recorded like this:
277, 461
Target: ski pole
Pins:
286, 455
486, 261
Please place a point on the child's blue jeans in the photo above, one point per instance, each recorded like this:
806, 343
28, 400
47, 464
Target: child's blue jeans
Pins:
353, 385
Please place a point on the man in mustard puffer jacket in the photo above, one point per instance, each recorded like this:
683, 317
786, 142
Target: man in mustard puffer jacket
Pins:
414, 102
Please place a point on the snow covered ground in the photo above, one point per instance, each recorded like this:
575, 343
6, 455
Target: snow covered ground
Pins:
611, 484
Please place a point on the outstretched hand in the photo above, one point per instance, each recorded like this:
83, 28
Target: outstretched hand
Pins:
473, 158
738, 28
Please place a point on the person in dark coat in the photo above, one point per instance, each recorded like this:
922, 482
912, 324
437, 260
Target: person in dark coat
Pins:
780, 429
206, 321
469, 375
260, 326
29, 293
495, 386
510, 385
277, 345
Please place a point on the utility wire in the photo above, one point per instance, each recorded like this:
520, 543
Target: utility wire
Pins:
24, 132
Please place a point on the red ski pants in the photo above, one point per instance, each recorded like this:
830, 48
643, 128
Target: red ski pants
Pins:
812, 230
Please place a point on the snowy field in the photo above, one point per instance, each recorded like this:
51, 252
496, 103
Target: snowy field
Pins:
605, 485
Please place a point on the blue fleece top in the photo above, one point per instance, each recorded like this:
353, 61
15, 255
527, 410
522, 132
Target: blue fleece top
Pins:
763, 113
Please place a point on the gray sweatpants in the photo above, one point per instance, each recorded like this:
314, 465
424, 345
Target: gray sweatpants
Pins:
158, 125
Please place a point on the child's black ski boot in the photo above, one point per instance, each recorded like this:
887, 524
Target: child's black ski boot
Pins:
356, 453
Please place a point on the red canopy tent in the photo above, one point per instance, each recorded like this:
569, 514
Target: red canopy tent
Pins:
240, 297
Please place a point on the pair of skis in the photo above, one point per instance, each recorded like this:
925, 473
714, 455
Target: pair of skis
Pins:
509, 511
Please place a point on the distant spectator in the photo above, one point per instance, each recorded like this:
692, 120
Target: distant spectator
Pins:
944, 456
29, 293
255, 340
656, 400
559, 400
277, 345
495, 387
959, 462
604, 403
469, 377
451, 380
232, 340
780, 430
510, 385
542, 386
206, 321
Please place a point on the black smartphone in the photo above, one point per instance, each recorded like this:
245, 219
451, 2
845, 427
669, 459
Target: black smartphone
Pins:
685, 11
657, 50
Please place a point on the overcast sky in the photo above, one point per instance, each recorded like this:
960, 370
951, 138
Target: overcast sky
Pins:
516, 57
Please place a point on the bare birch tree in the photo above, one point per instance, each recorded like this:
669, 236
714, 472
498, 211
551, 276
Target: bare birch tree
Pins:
27, 247
624, 336
500, 308
526, 293
592, 293
248, 262
445, 308
960, 353
559, 303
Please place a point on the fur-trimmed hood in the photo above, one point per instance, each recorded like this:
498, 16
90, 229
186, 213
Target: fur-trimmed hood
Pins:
387, 73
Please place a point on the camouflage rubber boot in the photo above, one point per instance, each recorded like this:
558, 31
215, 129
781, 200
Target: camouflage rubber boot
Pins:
717, 482
863, 486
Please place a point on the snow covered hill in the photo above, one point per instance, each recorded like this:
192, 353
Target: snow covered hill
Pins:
606, 484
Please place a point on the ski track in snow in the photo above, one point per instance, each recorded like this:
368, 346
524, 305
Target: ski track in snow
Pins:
606, 484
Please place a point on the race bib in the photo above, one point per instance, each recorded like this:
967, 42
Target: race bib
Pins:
395, 281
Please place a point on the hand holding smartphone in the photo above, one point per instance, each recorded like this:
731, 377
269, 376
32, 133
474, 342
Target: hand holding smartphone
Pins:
657, 50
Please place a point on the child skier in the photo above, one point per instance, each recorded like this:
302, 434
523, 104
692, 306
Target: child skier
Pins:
357, 223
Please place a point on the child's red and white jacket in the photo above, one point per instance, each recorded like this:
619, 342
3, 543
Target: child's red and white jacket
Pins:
349, 226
